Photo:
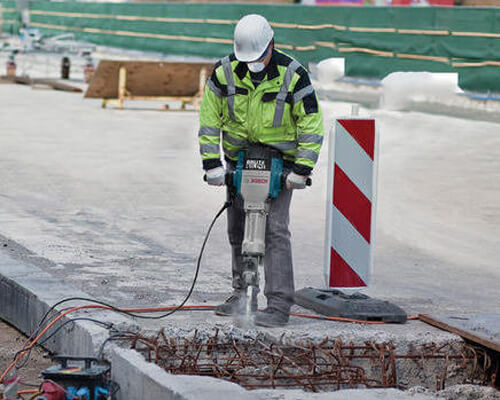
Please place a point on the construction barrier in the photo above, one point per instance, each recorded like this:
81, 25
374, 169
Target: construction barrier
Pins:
374, 40
351, 203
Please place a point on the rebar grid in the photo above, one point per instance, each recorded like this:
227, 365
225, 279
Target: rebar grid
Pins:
329, 365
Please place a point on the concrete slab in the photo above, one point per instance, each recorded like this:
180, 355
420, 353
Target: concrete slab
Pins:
137, 378
25, 298
112, 203
23, 301
112, 198
157, 384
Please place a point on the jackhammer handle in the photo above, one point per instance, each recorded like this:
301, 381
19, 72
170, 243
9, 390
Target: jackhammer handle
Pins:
228, 180
283, 180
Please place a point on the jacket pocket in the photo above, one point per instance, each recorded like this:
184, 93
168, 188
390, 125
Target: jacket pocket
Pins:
269, 105
237, 102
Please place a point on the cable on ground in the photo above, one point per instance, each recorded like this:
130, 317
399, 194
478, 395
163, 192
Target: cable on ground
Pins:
99, 304
132, 312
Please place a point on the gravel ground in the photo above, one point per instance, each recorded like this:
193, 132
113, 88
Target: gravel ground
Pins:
11, 340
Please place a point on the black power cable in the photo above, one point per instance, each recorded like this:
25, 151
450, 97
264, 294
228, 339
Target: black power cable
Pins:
31, 337
131, 314
45, 340
117, 309
118, 336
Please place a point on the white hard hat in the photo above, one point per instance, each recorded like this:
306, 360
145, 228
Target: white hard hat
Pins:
252, 35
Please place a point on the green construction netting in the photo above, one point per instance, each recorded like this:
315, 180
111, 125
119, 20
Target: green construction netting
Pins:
9, 17
369, 38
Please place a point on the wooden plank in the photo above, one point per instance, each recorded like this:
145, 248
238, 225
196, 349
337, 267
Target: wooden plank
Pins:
56, 85
483, 329
161, 98
147, 79
52, 83
21, 80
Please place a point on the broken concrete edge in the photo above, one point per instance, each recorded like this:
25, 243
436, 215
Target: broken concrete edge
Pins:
144, 380
27, 292
155, 384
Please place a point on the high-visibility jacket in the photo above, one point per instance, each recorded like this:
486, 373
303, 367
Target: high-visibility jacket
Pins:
282, 112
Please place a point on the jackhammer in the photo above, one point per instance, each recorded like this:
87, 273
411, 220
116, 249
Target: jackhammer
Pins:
258, 178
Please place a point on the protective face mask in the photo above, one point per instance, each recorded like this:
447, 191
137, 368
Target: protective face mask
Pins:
256, 66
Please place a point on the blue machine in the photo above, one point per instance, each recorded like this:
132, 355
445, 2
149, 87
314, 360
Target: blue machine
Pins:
84, 378
258, 179
264, 161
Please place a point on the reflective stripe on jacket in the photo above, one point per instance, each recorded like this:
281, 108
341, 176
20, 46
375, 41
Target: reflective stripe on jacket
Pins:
282, 112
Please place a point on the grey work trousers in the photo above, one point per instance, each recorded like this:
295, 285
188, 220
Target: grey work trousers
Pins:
278, 268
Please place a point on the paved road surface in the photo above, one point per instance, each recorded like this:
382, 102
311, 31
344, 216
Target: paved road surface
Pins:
113, 202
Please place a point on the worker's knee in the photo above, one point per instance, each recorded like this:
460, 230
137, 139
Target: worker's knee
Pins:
235, 236
235, 229
278, 232
235, 240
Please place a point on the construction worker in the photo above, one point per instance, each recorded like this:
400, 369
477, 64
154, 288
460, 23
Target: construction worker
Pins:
261, 95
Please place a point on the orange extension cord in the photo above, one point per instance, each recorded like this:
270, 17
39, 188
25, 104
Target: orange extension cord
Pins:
29, 391
170, 308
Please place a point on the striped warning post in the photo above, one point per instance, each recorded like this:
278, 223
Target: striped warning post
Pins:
351, 203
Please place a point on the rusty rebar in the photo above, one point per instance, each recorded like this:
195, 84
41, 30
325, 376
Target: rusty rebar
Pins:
328, 365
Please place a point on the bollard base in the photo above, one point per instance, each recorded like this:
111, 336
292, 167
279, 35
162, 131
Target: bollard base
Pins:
335, 303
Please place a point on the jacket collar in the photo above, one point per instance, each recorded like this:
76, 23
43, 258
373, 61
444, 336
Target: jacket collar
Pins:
272, 68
